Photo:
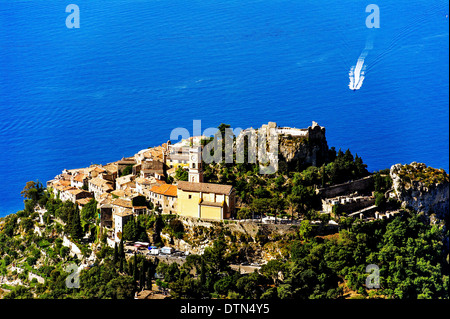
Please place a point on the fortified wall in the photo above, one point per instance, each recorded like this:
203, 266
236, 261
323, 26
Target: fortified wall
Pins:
360, 185
347, 204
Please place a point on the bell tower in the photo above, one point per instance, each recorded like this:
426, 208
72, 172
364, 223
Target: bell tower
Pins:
195, 165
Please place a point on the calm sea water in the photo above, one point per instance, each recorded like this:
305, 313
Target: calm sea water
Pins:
136, 69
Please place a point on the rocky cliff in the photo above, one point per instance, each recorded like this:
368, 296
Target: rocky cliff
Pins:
422, 188
302, 151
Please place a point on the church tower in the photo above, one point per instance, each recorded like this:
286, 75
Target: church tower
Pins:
195, 165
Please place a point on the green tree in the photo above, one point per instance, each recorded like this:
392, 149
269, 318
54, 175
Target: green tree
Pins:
19, 292
76, 232
89, 211
380, 200
305, 229
116, 253
181, 174
272, 270
130, 230
120, 287
33, 191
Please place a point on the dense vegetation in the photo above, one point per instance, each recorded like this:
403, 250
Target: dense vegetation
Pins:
410, 255
412, 261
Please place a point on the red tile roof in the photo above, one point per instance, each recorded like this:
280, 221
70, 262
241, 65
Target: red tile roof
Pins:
165, 189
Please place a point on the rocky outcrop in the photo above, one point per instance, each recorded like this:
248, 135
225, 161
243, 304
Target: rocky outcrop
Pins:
310, 149
252, 242
422, 188
296, 148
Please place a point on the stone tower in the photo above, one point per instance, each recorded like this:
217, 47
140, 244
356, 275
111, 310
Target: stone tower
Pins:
195, 165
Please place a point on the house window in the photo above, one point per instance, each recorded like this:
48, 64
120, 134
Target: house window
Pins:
190, 196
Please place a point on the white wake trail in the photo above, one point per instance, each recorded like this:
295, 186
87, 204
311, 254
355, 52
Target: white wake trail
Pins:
357, 72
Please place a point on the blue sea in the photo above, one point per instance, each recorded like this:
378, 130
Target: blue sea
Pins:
137, 69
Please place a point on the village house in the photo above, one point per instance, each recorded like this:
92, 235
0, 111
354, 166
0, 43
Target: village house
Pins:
165, 197
154, 153
58, 187
122, 210
66, 175
106, 215
75, 194
124, 193
178, 156
121, 204
143, 184
152, 169
79, 180
121, 218
98, 186
124, 163
111, 171
125, 181
95, 170
64, 194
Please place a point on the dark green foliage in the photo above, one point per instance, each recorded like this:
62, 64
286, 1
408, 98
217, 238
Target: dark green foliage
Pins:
176, 228
134, 230
75, 230
89, 211
126, 171
345, 167
19, 292
33, 191
382, 183
104, 282
380, 200
408, 252
181, 174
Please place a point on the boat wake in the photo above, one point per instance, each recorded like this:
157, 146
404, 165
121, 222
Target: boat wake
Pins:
357, 72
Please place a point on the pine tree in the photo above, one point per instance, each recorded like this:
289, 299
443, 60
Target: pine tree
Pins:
130, 230
202, 272
142, 277
121, 249
149, 276
75, 228
361, 168
135, 268
121, 258
130, 267
68, 225
116, 253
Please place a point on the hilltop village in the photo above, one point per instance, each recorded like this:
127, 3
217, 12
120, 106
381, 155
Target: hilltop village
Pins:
124, 188
164, 223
